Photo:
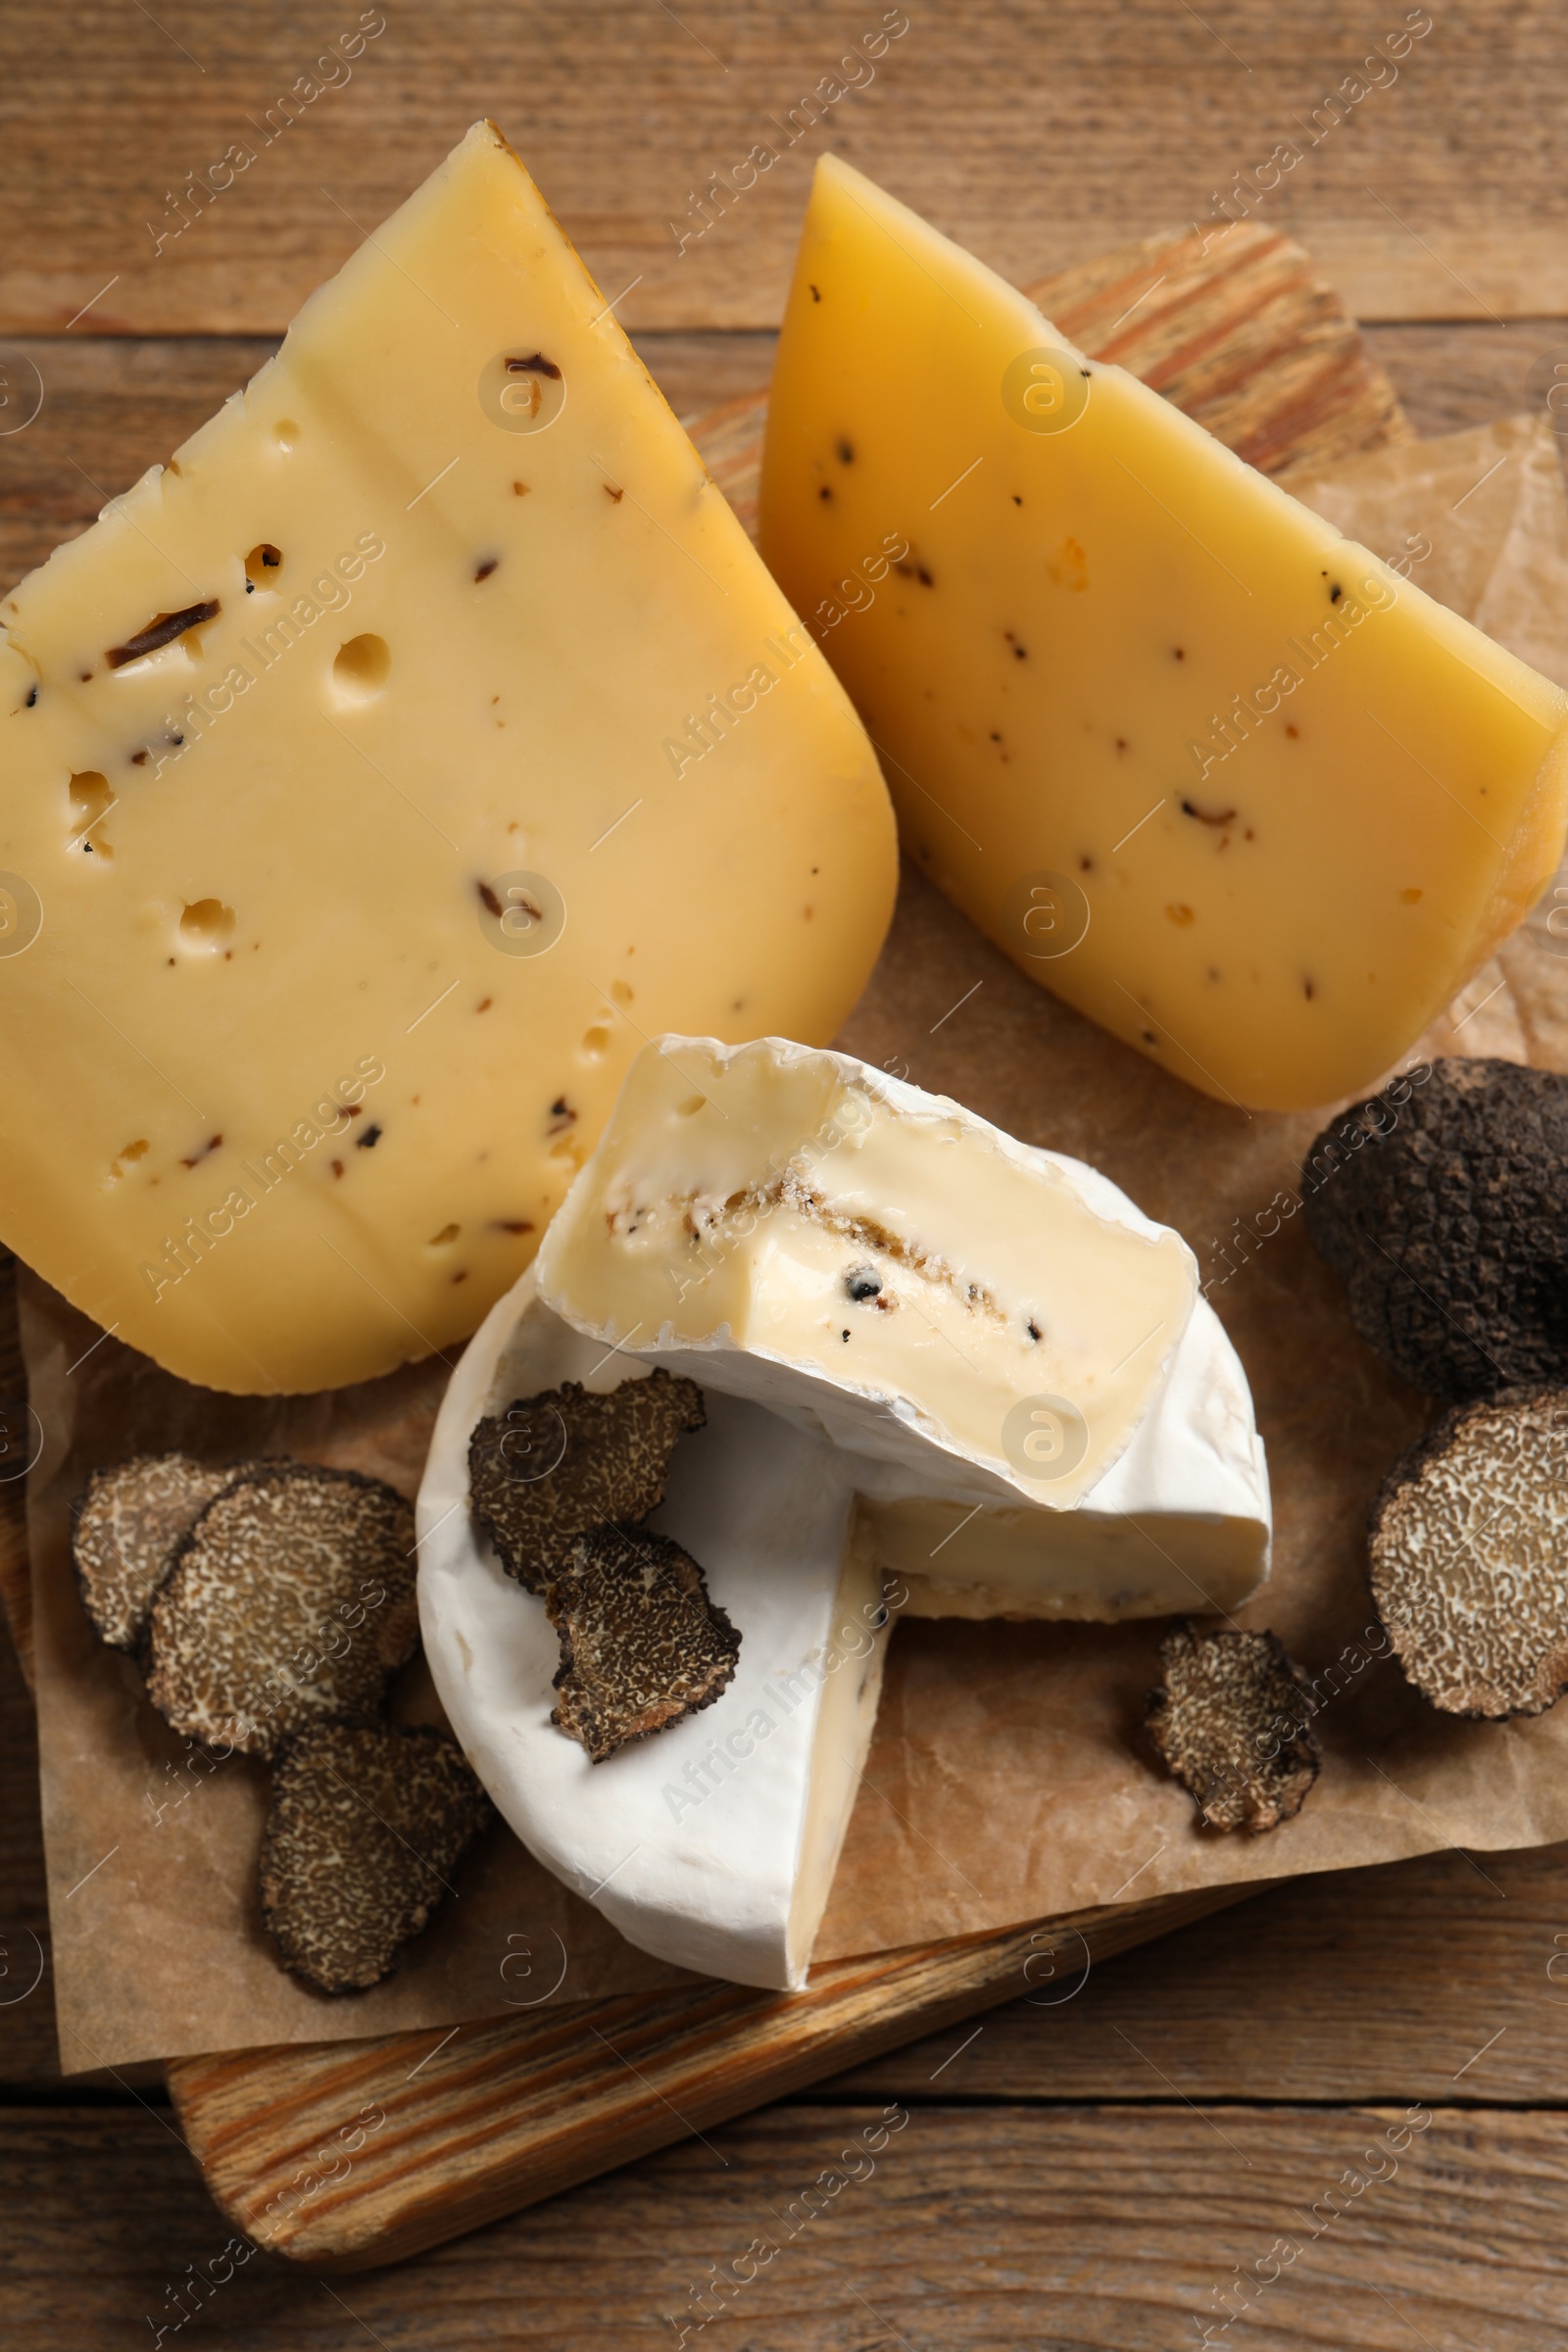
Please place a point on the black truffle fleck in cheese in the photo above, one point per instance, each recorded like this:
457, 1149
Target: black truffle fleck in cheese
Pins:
1232, 1723
641, 1643
554, 1465
363, 1835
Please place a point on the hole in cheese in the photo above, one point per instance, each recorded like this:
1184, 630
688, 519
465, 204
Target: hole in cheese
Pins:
92, 799
286, 433
596, 1043
204, 926
445, 1238
262, 564
363, 666
91, 796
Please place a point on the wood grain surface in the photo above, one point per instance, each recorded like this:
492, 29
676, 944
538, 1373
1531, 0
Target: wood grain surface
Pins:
16, 1449
1429, 185
1047, 2226
1444, 1979
516, 2109
1082, 2172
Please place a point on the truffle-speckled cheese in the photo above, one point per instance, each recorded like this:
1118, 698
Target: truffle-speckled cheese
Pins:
1041, 1416
1209, 770
912, 1274
372, 779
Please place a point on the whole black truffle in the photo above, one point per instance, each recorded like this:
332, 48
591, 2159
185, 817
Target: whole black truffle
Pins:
1443, 1204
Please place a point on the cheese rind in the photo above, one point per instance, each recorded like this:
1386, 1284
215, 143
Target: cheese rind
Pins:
1209, 770
1042, 1416
712, 1844
472, 754
1182, 1522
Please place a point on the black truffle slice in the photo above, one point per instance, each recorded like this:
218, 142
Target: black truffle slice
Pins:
1469, 1557
129, 1522
1443, 1208
362, 1836
1231, 1722
552, 1466
289, 1604
641, 1643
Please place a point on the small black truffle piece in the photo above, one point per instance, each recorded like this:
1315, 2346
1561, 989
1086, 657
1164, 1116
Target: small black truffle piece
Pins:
129, 1522
1468, 1558
162, 630
552, 1466
1232, 1723
289, 1604
641, 1643
363, 1831
1443, 1208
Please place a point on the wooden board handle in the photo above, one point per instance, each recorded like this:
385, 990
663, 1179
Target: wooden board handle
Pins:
500, 2114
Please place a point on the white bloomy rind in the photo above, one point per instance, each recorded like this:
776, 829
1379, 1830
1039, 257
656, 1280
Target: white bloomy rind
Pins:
719, 1229
711, 1844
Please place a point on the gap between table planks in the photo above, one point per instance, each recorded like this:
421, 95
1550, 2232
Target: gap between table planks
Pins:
1248, 338
1025, 128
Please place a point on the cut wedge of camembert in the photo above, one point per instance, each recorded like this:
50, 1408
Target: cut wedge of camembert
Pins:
1047, 1418
710, 1844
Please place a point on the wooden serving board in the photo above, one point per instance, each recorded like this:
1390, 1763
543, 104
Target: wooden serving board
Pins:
347, 2154
502, 2113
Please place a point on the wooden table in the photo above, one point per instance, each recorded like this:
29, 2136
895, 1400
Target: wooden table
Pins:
1103, 2170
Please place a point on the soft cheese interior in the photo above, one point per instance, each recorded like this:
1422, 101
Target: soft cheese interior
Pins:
921, 1270
711, 1844
1182, 1521
1045, 1416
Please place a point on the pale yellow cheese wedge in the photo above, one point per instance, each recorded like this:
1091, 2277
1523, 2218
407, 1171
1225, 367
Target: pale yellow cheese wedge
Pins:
1209, 770
328, 927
